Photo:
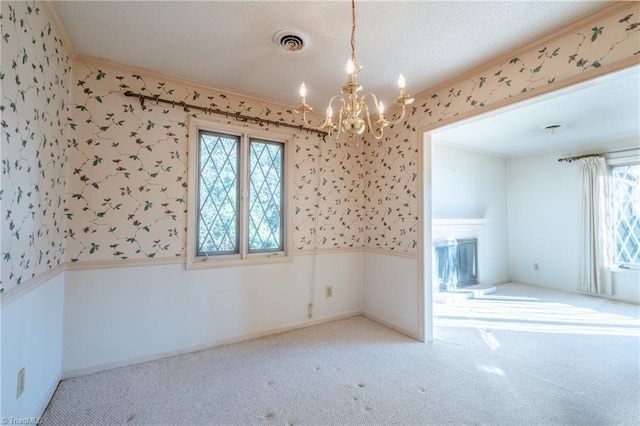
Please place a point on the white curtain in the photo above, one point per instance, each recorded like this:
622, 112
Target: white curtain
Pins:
595, 271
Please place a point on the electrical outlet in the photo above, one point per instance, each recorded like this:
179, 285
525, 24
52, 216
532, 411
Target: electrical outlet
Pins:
536, 266
20, 387
329, 291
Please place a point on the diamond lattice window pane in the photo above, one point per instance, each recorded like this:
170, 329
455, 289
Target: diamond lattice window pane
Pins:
218, 194
626, 213
265, 196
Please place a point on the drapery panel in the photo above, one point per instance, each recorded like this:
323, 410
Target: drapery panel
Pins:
595, 271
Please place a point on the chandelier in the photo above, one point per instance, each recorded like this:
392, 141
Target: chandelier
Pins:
353, 116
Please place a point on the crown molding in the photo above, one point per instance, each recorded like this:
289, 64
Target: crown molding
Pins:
60, 27
147, 72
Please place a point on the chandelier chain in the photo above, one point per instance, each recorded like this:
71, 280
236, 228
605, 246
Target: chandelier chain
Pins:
353, 30
353, 115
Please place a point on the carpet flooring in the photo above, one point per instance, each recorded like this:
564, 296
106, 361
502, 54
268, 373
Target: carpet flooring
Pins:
521, 356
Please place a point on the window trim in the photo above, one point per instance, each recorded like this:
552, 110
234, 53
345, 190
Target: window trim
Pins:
244, 256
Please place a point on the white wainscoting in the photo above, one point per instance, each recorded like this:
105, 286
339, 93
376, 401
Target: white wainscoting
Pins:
121, 316
390, 288
31, 338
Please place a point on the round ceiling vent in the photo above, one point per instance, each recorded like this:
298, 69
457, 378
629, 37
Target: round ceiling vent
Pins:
290, 40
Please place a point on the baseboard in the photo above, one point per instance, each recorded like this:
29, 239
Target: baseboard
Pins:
48, 395
66, 374
391, 326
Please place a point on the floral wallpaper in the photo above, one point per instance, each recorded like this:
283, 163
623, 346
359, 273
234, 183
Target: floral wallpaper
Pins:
390, 168
127, 188
34, 74
89, 174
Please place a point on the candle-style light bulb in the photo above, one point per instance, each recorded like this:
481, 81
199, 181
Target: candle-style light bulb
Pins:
380, 109
303, 91
401, 83
329, 113
350, 66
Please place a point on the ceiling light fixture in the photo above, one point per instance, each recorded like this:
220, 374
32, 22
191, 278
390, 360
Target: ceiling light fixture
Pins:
552, 128
353, 116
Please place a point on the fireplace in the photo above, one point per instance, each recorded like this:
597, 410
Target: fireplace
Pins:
456, 263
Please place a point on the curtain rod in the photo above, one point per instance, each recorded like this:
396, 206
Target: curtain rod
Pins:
595, 154
236, 116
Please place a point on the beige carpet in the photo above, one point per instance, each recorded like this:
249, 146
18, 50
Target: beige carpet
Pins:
518, 357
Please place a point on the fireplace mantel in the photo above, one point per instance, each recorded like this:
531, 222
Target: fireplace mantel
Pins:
457, 228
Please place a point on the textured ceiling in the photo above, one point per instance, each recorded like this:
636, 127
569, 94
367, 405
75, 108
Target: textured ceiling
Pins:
592, 113
229, 44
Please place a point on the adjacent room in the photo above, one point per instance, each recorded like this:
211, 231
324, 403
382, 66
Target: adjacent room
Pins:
209, 219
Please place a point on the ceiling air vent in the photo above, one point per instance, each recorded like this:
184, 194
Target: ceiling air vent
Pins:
289, 40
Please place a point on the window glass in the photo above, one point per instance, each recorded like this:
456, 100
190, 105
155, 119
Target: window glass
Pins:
625, 197
237, 191
218, 194
265, 196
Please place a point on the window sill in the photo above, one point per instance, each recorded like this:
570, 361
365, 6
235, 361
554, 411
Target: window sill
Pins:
210, 263
626, 271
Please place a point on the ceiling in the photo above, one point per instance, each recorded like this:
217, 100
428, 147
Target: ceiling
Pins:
229, 45
605, 110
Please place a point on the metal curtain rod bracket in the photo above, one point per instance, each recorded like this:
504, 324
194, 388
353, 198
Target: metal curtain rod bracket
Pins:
595, 154
236, 116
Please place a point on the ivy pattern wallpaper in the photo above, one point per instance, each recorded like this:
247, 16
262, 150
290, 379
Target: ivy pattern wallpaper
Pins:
127, 189
391, 179
89, 174
34, 74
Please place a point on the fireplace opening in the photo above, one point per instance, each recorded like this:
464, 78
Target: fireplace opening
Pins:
456, 263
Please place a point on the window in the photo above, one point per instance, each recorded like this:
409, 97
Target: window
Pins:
625, 213
236, 196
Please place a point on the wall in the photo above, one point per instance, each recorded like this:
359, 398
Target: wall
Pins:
391, 167
35, 72
472, 185
127, 186
544, 224
127, 315
35, 87
31, 330
127, 210
396, 305
604, 42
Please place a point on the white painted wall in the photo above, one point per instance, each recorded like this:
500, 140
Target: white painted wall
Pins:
390, 289
544, 226
544, 221
472, 185
119, 316
32, 338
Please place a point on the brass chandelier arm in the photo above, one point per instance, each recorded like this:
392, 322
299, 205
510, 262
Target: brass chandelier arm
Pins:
327, 127
354, 117
382, 122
